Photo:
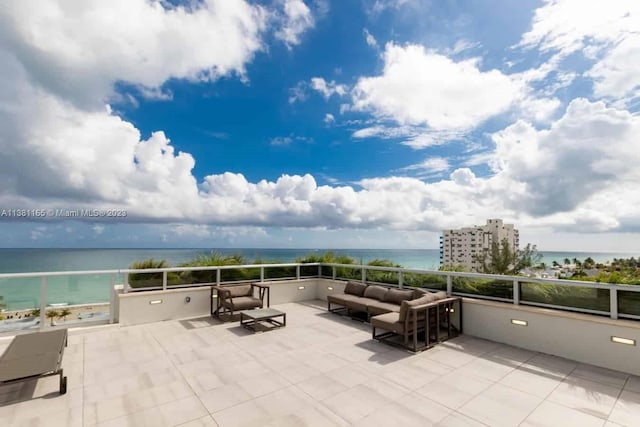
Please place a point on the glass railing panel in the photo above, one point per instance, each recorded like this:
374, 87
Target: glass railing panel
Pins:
274, 273
348, 273
78, 298
193, 277
629, 302
483, 287
386, 277
430, 281
312, 271
145, 280
20, 304
566, 296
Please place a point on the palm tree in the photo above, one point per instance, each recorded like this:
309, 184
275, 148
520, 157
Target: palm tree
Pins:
555, 263
567, 261
52, 314
64, 313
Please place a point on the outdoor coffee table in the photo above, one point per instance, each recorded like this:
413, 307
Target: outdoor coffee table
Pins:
256, 320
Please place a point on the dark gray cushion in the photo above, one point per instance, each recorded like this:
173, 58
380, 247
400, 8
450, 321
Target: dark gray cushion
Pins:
396, 296
355, 288
375, 292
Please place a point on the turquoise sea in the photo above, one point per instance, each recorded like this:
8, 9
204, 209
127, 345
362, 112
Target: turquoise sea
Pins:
90, 289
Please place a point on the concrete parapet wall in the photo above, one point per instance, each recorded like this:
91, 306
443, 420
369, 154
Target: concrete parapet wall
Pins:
580, 337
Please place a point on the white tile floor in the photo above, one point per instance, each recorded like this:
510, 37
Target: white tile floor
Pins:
321, 370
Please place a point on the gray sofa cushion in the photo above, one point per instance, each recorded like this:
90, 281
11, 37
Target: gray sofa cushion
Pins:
404, 308
396, 296
350, 301
375, 307
440, 295
375, 292
388, 322
355, 288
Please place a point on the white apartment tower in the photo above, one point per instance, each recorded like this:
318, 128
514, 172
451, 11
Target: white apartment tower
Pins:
460, 247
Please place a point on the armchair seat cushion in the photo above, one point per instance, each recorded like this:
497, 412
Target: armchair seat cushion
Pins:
242, 303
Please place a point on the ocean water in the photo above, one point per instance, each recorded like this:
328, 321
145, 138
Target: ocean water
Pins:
24, 293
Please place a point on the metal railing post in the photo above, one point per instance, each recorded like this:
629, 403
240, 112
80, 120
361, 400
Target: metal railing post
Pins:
449, 285
298, 272
334, 272
112, 305
516, 292
125, 286
400, 280
319, 270
364, 274
164, 280
218, 275
43, 302
613, 303
261, 274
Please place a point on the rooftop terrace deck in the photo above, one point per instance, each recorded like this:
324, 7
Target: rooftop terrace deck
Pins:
320, 370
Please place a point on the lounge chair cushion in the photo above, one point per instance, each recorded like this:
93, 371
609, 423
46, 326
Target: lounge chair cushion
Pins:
396, 296
355, 288
375, 292
375, 307
406, 304
242, 303
239, 290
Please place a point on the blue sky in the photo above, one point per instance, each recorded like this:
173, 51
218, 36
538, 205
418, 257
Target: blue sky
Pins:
318, 123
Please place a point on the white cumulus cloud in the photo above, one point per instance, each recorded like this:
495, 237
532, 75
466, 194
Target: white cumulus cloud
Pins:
297, 18
422, 87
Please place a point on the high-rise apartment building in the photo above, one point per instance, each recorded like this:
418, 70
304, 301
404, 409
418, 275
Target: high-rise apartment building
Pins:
461, 247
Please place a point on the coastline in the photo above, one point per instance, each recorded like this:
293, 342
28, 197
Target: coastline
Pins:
79, 312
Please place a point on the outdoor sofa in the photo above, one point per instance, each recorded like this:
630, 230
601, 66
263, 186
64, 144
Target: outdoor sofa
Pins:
409, 313
237, 297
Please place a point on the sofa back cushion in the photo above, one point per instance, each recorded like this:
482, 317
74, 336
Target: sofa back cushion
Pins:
375, 292
420, 292
406, 304
440, 295
239, 290
355, 288
396, 296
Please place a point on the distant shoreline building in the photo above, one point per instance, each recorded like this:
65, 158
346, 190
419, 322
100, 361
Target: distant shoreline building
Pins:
461, 247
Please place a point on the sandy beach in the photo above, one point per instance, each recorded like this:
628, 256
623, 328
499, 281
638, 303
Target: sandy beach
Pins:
77, 312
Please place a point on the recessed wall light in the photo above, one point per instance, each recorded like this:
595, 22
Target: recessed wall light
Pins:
620, 340
155, 301
519, 322
329, 288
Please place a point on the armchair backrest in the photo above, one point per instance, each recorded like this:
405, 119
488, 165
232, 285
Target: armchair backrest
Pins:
239, 290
